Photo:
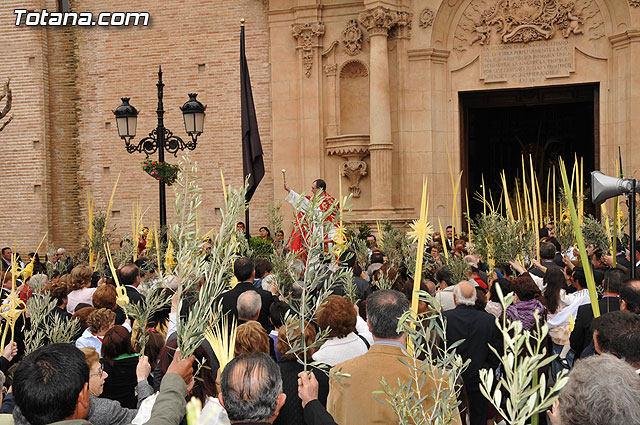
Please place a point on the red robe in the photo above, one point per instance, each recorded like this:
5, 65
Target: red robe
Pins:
300, 229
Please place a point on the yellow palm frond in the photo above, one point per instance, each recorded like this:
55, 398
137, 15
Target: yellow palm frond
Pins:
223, 343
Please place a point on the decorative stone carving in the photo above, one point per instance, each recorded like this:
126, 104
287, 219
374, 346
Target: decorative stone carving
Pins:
380, 20
522, 21
467, 34
426, 18
352, 38
330, 49
353, 148
634, 3
350, 145
353, 69
308, 37
354, 170
403, 28
331, 69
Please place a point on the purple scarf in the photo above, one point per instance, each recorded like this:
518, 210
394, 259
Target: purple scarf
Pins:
524, 311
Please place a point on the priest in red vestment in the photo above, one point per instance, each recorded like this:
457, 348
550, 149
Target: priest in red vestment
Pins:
295, 242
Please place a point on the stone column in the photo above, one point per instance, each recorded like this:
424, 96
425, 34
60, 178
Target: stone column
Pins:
378, 22
331, 71
310, 137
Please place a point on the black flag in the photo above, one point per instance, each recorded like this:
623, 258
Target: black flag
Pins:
252, 163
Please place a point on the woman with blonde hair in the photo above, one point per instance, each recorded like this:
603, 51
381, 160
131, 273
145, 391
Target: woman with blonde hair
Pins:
251, 338
80, 292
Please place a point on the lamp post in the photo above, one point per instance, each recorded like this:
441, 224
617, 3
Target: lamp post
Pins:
160, 138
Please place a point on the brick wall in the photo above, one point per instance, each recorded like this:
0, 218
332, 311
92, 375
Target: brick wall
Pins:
23, 166
65, 96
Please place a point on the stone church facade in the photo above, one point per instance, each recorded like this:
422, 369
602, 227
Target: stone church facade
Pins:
369, 92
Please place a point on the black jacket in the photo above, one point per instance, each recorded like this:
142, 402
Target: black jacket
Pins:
478, 329
316, 414
230, 302
292, 412
363, 287
582, 334
133, 294
121, 383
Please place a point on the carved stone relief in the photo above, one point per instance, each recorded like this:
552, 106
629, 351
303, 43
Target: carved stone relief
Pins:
308, 37
354, 69
634, 3
380, 20
486, 22
354, 170
426, 18
331, 69
352, 38
403, 28
522, 21
353, 149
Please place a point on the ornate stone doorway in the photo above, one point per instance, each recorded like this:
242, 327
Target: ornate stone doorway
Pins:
498, 127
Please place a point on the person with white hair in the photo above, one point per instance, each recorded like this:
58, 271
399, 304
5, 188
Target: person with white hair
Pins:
248, 305
62, 261
601, 390
478, 330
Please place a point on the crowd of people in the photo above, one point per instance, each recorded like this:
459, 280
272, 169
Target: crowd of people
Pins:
104, 378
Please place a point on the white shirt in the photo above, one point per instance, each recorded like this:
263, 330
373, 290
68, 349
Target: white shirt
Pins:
337, 350
363, 329
83, 295
89, 340
173, 324
445, 296
212, 413
538, 281
293, 198
562, 318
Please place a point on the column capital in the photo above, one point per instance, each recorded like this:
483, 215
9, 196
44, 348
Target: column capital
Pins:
379, 20
308, 36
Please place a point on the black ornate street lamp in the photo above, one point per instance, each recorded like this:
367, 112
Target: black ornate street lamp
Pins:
161, 138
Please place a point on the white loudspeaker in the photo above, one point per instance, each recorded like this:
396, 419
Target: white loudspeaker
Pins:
604, 187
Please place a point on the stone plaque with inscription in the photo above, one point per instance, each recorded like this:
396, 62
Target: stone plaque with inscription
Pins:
530, 63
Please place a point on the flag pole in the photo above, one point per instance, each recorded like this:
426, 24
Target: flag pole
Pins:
252, 161
246, 211
246, 219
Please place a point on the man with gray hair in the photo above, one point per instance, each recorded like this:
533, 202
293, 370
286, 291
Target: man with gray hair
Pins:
63, 261
478, 330
351, 400
251, 389
601, 390
248, 306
